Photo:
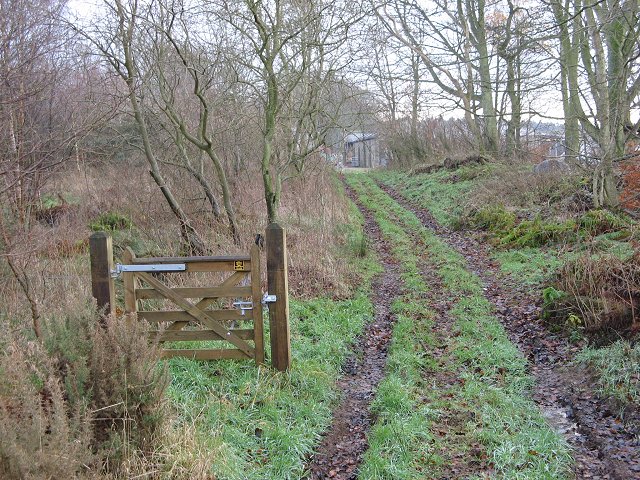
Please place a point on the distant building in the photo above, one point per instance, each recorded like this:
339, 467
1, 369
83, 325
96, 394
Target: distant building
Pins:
362, 149
543, 139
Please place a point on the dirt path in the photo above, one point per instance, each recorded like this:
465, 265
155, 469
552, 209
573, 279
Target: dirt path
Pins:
605, 446
343, 445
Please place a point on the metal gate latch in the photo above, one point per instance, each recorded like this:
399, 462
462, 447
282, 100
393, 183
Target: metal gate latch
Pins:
243, 306
268, 299
159, 267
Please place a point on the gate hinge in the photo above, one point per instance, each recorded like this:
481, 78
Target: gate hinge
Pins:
268, 299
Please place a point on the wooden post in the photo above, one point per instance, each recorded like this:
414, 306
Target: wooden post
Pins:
278, 284
256, 294
101, 253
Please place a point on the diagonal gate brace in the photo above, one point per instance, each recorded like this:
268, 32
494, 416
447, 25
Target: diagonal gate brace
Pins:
197, 313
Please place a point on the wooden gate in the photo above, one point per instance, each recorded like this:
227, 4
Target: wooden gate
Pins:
201, 313
197, 313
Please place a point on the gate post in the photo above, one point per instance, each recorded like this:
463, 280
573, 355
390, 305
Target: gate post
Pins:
101, 253
278, 284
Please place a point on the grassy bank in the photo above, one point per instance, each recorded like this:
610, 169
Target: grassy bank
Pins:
532, 252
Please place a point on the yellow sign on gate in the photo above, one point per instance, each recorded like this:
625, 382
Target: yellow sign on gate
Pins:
238, 265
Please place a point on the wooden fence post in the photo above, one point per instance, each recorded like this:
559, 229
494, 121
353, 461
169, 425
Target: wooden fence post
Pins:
278, 284
101, 253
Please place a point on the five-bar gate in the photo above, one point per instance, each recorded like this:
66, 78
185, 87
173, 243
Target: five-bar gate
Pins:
228, 309
196, 313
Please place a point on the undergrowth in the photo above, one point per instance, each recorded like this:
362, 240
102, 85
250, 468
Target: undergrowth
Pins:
111, 221
81, 401
599, 291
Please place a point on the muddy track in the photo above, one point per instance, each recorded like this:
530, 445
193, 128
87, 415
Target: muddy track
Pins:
340, 453
605, 440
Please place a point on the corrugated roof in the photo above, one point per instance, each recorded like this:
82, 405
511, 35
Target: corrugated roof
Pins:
359, 137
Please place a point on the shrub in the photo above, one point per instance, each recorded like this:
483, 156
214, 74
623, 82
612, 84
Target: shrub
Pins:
550, 297
82, 401
545, 194
111, 221
127, 386
494, 218
604, 292
598, 222
357, 244
52, 209
40, 435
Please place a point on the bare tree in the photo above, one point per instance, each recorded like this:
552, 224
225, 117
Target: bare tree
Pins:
116, 40
600, 81
290, 50
203, 62
41, 120
452, 45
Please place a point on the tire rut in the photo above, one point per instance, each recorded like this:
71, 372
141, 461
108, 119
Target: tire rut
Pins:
340, 453
606, 444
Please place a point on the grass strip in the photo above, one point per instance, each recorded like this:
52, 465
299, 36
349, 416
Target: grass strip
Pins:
495, 386
401, 417
617, 369
443, 198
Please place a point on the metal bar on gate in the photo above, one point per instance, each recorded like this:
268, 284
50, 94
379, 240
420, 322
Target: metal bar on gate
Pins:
167, 267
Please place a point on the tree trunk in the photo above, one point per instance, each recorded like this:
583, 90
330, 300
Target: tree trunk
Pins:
189, 235
198, 174
269, 178
415, 97
568, 79
226, 194
477, 26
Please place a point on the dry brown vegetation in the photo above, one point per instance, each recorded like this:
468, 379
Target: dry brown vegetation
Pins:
601, 292
521, 190
82, 400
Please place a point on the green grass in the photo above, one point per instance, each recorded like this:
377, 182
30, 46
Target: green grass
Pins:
445, 200
617, 368
532, 266
527, 250
494, 392
261, 423
595, 233
401, 417
400, 436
